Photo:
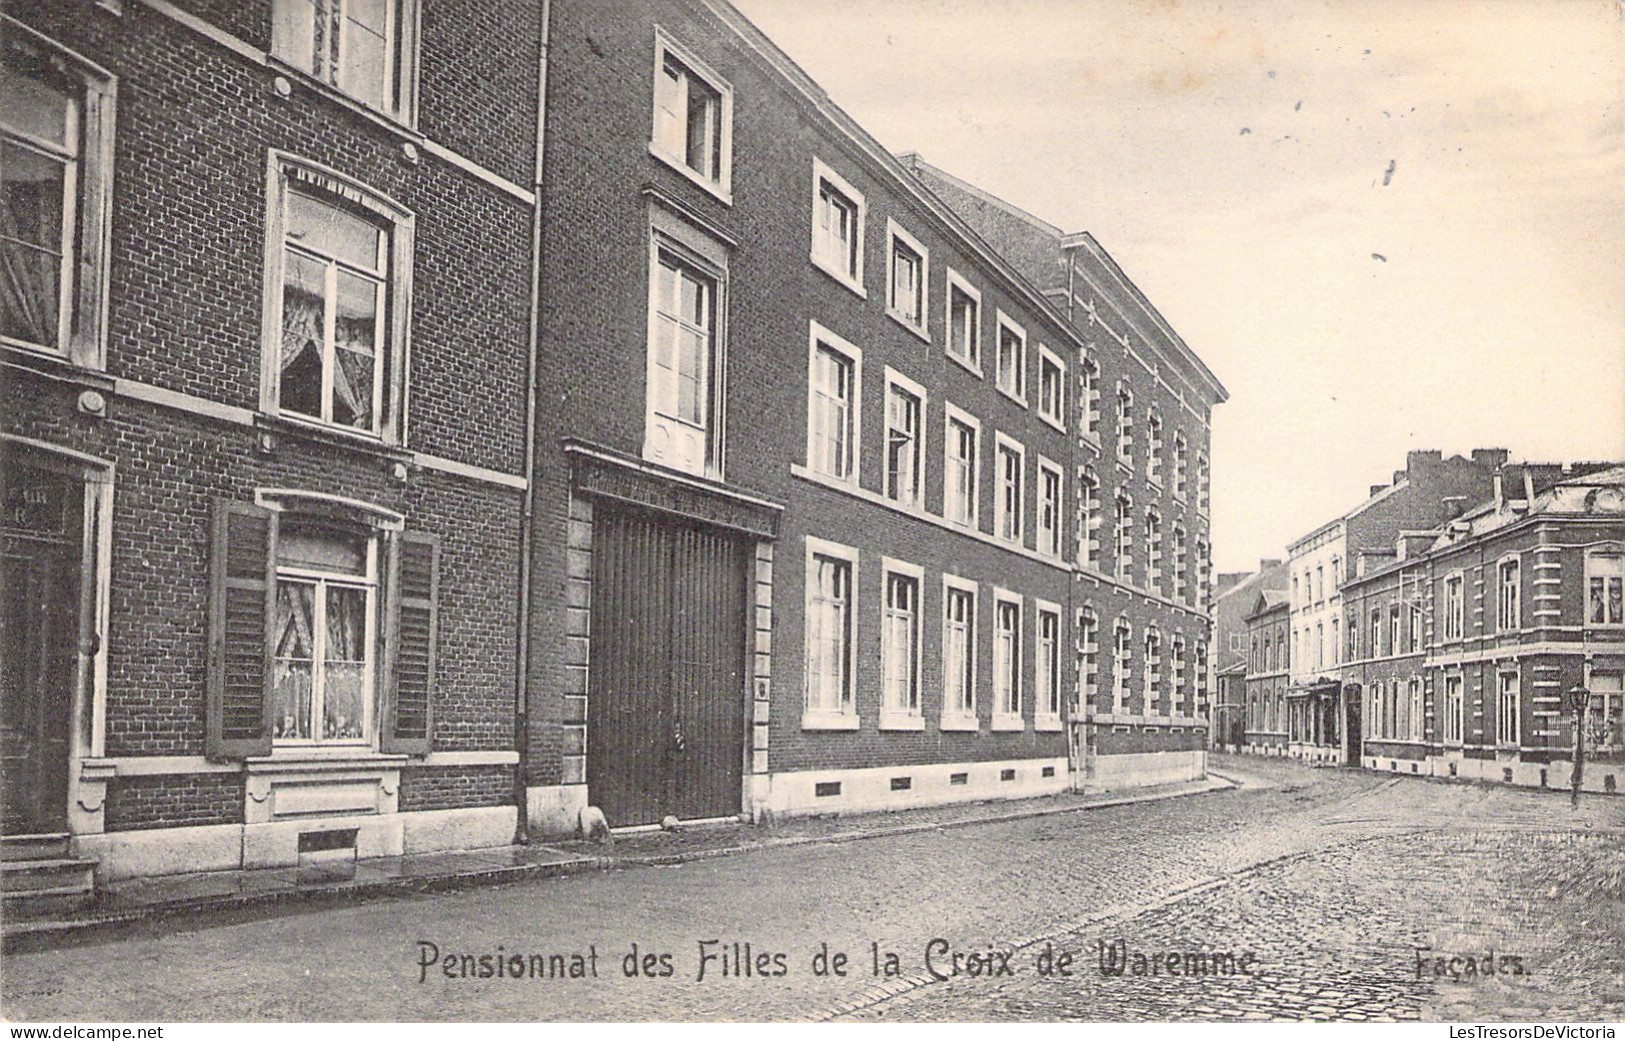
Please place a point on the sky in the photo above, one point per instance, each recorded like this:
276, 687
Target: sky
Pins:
1384, 225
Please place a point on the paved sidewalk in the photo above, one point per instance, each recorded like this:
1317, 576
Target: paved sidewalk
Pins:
131, 902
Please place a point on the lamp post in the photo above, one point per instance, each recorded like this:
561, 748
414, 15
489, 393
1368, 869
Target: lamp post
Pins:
1578, 697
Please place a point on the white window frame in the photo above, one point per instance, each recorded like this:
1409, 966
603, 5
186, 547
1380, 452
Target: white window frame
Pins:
282, 170
1507, 694
400, 54
1455, 610
1122, 664
951, 415
720, 185
1049, 359
897, 381
850, 276
1049, 538
322, 580
895, 235
1593, 558
1089, 377
956, 282
1453, 708
1089, 662
892, 716
1046, 716
1123, 400
708, 260
1004, 443
1007, 672
87, 236
1123, 536
1001, 324
845, 718
1090, 516
954, 717
818, 337
1181, 465
1413, 692
1153, 670
1153, 446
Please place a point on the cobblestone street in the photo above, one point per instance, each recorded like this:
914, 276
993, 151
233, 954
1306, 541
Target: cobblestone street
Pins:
1330, 879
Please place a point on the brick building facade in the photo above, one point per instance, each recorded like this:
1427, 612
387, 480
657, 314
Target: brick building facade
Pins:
805, 425
1268, 672
265, 342
1465, 643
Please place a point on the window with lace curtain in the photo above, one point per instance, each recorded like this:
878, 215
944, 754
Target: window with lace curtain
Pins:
324, 629
337, 263
56, 128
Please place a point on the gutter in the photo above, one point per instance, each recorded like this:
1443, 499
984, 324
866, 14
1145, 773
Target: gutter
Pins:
521, 699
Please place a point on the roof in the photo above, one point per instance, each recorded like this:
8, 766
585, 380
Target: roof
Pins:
1600, 493
1268, 600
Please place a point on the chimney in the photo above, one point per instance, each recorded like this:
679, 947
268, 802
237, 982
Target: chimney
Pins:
1420, 459
1528, 488
1454, 505
1269, 562
1490, 457
1376, 488
1399, 475
1498, 492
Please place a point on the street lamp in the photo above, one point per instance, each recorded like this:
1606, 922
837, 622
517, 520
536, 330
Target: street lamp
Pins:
1578, 697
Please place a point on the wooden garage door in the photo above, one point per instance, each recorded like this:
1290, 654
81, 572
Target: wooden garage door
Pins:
666, 697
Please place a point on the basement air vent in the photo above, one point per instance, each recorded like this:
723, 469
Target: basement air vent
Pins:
823, 789
901, 784
1049, 771
959, 778
1007, 775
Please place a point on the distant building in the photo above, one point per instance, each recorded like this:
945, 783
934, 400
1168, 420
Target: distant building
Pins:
1466, 638
1269, 657
1421, 495
1235, 595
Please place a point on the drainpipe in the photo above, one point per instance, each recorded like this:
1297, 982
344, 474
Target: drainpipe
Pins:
521, 700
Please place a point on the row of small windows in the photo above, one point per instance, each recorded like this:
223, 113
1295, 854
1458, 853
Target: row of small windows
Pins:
1156, 448
1185, 582
1023, 645
834, 443
1315, 588
1158, 697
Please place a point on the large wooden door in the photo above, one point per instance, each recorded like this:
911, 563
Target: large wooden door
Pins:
40, 565
666, 698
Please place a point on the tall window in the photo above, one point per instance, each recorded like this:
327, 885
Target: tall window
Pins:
1393, 629
905, 447
1414, 613
900, 643
1336, 645
1089, 394
1506, 708
1153, 671
1418, 718
1376, 632
1048, 665
1089, 519
964, 321
1605, 714
1605, 584
680, 359
693, 118
1007, 661
1201, 483
1122, 664
324, 631
1089, 645
1507, 585
829, 635
1012, 359
1011, 468
1153, 437
906, 291
1177, 693
1051, 387
1320, 644
1049, 509
837, 227
959, 652
1153, 549
1125, 425
1454, 608
1181, 464
56, 128
340, 313
1124, 521
832, 406
959, 495
1454, 707
365, 48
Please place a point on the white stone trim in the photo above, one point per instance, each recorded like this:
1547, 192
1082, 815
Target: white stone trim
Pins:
792, 794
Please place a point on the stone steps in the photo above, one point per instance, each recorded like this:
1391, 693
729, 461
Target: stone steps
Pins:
39, 876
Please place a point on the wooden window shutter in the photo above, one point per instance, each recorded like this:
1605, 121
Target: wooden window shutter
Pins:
408, 717
242, 588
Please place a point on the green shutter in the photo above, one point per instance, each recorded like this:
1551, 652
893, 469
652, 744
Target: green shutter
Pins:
408, 717
241, 590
